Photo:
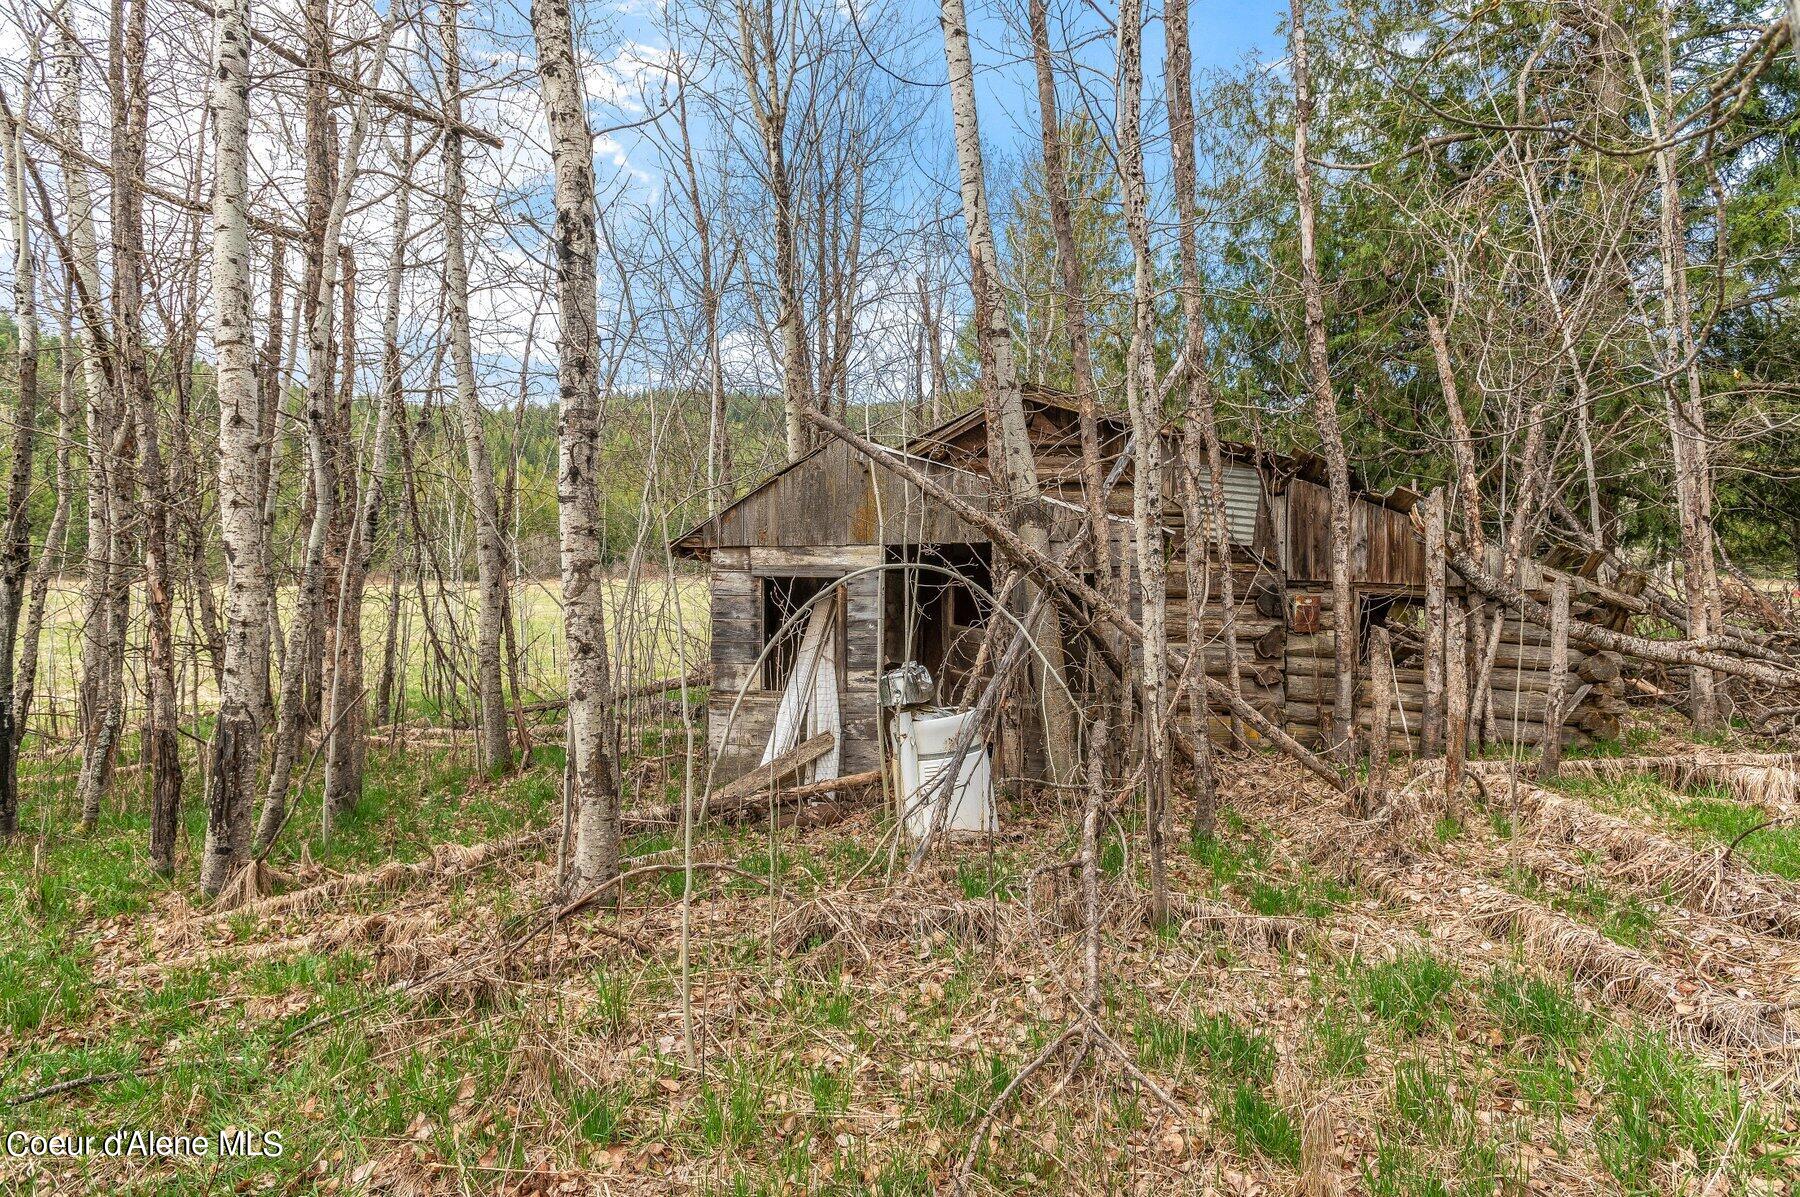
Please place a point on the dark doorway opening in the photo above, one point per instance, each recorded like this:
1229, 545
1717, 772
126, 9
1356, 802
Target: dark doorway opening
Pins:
782, 600
937, 614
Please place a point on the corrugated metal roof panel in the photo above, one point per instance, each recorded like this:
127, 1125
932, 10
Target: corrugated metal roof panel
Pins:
1243, 494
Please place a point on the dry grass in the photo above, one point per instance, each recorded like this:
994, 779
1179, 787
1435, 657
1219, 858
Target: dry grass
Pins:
1769, 781
851, 1030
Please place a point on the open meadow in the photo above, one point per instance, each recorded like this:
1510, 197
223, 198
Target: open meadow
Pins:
654, 624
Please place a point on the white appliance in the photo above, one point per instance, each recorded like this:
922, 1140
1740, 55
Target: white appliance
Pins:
924, 741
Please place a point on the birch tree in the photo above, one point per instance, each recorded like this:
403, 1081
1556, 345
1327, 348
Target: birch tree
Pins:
594, 797
237, 734
490, 551
1324, 399
15, 534
1141, 401
1009, 446
1204, 507
1074, 284
139, 410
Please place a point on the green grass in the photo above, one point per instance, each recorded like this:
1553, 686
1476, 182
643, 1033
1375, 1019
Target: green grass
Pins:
1659, 1104
1256, 1124
1430, 1101
971, 1091
1708, 817
1341, 1042
1212, 1041
732, 1109
1530, 1007
1408, 992
987, 877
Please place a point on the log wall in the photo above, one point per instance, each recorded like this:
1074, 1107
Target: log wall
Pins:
1519, 685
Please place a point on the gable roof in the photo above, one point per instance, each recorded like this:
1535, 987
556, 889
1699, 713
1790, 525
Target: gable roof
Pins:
833, 495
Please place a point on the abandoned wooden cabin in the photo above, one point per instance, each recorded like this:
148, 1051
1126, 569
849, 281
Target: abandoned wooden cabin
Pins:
834, 520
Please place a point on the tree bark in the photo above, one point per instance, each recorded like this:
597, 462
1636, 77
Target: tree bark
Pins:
1201, 415
131, 106
55, 555
237, 735
768, 92
1146, 426
15, 535
490, 550
347, 747
1009, 445
1456, 689
1431, 728
594, 857
99, 732
1684, 401
1324, 402
1557, 710
1071, 275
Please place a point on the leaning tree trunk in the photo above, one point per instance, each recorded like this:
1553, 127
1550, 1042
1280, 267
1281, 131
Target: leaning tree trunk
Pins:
595, 855
1009, 444
15, 534
1324, 401
237, 736
490, 550
1072, 279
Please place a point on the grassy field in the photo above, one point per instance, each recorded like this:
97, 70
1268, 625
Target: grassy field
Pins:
1434, 1007
655, 624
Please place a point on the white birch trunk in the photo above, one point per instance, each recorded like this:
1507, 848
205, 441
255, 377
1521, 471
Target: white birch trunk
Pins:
237, 737
594, 857
1324, 402
99, 736
1146, 427
15, 541
1201, 415
1009, 445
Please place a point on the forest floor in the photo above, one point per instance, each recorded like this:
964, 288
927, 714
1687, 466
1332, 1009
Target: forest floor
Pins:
1523, 993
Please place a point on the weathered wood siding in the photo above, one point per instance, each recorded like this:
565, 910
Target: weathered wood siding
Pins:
834, 496
1384, 549
737, 741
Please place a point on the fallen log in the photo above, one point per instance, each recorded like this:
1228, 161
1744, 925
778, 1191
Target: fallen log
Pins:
694, 677
749, 804
447, 859
1667, 652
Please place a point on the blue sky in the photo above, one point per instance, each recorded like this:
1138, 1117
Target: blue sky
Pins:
1224, 33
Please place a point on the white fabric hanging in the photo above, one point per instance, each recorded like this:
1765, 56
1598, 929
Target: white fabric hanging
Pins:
810, 705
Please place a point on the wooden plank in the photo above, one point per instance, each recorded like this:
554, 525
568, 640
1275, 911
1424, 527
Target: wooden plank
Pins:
773, 772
